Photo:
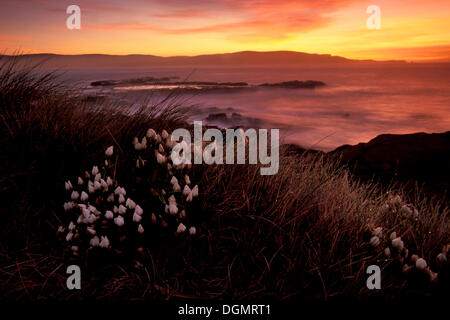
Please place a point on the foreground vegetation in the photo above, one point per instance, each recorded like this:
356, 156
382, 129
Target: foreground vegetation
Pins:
308, 232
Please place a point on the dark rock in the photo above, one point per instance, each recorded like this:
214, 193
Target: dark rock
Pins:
217, 117
420, 156
296, 84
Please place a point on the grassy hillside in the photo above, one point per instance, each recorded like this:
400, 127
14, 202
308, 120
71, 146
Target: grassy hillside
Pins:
308, 232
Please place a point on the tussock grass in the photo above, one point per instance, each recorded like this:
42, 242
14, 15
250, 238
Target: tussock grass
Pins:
300, 234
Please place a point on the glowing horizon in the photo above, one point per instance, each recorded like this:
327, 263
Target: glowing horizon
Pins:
410, 30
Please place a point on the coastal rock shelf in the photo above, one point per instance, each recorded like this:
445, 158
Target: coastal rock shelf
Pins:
167, 83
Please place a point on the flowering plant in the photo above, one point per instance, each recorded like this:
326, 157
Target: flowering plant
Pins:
102, 214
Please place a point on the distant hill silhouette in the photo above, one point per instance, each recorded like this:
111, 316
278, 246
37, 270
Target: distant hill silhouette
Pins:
243, 58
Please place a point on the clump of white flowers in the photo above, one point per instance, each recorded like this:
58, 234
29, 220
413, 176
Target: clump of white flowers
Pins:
392, 246
171, 189
101, 214
95, 211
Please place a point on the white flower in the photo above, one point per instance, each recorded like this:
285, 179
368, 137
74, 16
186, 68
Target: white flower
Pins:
95, 241
119, 221
69, 236
91, 230
187, 180
377, 231
176, 187
121, 198
74, 195
393, 235
172, 199
138, 146
104, 184
186, 190
173, 180
192, 231
160, 158
119, 191
109, 181
135, 140
181, 228
189, 197
138, 210
195, 191
80, 181
86, 213
158, 138
110, 198
109, 215
164, 134
387, 252
441, 257
140, 229
71, 226
398, 243
91, 219
151, 133
144, 142
97, 177
122, 209
116, 209
84, 196
97, 185
109, 151
421, 264
68, 205
94, 170
68, 185
104, 243
433, 277
130, 204
173, 209
61, 229
91, 188
170, 143
136, 218
375, 241
74, 248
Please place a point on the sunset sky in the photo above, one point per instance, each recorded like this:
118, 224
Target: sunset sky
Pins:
410, 29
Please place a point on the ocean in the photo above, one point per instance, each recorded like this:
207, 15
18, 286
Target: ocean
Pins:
355, 105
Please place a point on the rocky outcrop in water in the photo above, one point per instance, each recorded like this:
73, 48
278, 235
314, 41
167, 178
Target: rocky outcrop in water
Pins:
296, 84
